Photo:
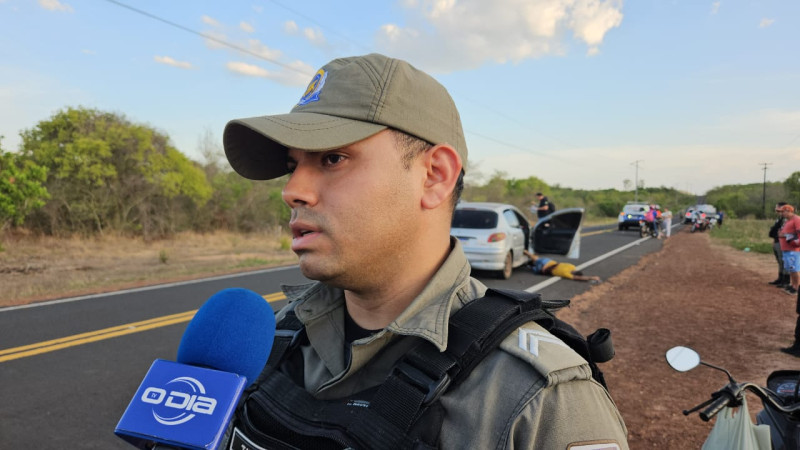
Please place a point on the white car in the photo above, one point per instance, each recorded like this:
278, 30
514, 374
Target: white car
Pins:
494, 235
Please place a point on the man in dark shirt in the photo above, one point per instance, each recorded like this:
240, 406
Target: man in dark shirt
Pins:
544, 205
783, 277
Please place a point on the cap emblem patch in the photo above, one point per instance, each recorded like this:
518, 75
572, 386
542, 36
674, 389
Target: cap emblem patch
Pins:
314, 88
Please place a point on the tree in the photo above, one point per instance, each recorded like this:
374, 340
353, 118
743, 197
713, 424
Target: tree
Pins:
21, 189
792, 185
627, 184
106, 172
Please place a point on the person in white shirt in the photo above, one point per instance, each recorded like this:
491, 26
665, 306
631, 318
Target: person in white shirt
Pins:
667, 223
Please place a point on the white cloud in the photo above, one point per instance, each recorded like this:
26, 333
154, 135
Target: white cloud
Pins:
715, 7
297, 73
315, 37
214, 44
290, 27
258, 9
171, 62
55, 5
246, 69
246, 27
255, 46
86, 51
466, 34
765, 23
210, 21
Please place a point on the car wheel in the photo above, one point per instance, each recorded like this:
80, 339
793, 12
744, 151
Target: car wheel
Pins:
621, 227
507, 267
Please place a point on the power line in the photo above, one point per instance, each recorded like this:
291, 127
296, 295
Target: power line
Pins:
320, 25
496, 141
262, 57
517, 121
206, 36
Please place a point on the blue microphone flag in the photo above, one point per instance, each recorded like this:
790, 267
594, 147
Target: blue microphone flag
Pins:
181, 406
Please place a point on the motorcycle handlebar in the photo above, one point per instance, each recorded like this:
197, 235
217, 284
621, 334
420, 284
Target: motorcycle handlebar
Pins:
716, 406
732, 393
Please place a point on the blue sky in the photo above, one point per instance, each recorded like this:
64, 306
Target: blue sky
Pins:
574, 92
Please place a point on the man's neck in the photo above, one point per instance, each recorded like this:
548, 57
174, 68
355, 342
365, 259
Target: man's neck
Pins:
376, 307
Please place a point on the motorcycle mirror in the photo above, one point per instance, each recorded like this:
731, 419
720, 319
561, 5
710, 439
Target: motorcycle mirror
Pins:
682, 359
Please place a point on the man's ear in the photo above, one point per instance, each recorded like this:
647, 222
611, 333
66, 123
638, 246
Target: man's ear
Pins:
443, 166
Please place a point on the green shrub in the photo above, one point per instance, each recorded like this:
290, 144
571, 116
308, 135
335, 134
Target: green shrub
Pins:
286, 242
742, 234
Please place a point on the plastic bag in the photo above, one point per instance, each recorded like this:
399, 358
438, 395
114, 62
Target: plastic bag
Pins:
735, 431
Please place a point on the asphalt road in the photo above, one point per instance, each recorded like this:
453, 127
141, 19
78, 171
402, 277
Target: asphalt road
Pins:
68, 368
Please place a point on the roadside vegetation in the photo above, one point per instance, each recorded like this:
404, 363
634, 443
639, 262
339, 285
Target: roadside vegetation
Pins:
749, 234
89, 190
88, 173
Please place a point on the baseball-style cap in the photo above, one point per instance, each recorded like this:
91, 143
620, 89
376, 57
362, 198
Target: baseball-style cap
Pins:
347, 100
785, 208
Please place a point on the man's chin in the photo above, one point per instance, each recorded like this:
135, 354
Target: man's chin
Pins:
316, 270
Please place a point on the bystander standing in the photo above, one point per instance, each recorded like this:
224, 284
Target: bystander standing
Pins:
666, 217
783, 277
544, 207
790, 245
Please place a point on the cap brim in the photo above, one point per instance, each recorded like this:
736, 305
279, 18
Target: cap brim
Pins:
256, 146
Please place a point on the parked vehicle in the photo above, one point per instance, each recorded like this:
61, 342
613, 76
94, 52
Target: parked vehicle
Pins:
632, 214
709, 210
780, 399
700, 221
494, 235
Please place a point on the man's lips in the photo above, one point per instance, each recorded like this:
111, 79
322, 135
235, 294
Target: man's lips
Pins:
302, 234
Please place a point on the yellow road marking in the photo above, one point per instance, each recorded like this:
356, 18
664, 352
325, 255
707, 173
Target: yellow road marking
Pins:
596, 232
106, 333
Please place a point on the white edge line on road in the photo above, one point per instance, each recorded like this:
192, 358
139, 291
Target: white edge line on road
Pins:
553, 280
144, 288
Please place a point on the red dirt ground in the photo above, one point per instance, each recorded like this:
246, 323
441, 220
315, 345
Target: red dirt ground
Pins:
712, 298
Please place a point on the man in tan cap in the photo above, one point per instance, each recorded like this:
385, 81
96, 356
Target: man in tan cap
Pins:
374, 153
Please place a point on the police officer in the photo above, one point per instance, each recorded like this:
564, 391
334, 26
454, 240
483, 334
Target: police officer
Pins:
374, 151
543, 208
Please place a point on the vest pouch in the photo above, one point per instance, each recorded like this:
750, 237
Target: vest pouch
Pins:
294, 419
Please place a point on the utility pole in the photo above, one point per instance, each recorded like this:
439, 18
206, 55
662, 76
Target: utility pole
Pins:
636, 182
764, 190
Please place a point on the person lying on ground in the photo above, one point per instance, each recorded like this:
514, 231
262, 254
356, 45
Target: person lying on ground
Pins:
550, 267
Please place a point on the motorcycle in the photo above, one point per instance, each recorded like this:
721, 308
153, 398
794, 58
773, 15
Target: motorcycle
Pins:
780, 398
648, 228
700, 223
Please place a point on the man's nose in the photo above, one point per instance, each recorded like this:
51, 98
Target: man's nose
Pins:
301, 187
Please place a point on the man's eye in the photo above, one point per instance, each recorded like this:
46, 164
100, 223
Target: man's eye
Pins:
332, 159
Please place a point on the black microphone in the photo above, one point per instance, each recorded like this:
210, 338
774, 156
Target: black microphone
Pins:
188, 404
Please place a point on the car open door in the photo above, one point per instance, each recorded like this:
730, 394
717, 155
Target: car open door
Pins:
558, 233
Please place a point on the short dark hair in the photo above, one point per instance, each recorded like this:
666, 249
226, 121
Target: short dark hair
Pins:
539, 194
412, 147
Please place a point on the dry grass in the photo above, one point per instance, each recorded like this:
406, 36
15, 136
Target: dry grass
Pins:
34, 268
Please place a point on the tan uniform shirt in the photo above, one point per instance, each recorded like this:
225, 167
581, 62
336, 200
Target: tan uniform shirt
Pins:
533, 392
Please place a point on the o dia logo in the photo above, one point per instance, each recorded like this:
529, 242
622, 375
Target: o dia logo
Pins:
183, 398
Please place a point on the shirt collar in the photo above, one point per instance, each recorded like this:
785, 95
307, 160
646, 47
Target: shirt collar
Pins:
428, 314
